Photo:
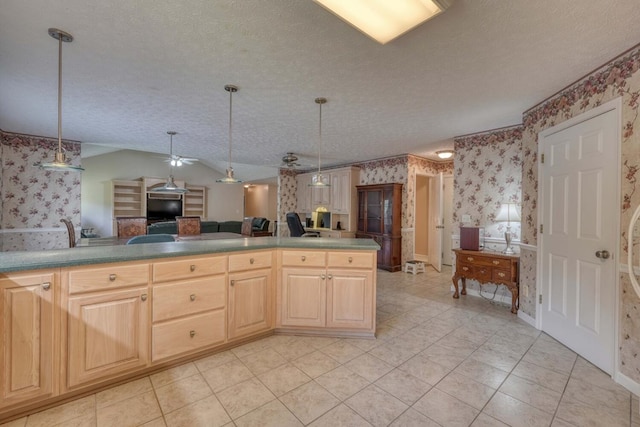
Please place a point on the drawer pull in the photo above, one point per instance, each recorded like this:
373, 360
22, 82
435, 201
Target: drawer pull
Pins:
192, 268
251, 261
112, 277
501, 274
233, 282
465, 268
469, 258
192, 333
350, 260
143, 297
46, 286
303, 258
192, 297
496, 262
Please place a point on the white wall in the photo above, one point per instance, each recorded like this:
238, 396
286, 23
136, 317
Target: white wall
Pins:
224, 201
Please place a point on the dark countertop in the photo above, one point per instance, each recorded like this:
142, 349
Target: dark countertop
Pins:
33, 260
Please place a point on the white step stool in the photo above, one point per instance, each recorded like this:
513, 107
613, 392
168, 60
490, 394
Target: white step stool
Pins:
414, 267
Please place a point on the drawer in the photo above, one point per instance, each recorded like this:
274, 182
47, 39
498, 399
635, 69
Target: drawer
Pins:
250, 261
482, 274
166, 271
184, 298
304, 258
188, 334
465, 269
351, 259
110, 277
501, 276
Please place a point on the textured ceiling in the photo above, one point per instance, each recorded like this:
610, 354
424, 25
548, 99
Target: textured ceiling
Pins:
138, 68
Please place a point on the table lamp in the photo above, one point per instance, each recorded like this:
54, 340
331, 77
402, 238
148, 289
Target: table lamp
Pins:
509, 213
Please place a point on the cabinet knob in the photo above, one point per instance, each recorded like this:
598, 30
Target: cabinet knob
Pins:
192, 267
303, 258
112, 277
350, 260
192, 297
251, 261
143, 297
46, 286
192, 333
329, 276
322, 276
233, 282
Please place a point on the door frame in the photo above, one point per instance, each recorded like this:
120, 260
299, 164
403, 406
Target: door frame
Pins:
616, 106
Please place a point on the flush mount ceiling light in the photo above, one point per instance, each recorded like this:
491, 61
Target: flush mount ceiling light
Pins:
170, 186
60, 162
229, 179
384, 20
318, 179
445, 154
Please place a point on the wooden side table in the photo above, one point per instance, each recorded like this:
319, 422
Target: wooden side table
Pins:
487, 267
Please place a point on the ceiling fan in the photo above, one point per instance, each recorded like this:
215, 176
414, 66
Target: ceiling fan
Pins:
176, 160
290, 161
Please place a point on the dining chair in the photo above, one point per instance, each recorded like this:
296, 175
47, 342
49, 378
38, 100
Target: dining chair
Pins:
71, 232
150, 238
130, 226
247, 225
188, 225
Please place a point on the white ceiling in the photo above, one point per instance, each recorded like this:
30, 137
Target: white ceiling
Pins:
138, 68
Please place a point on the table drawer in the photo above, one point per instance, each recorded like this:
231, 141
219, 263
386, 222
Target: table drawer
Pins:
181, 299
501, 276
110, 277
250, 261
350, 259
166, 271
465, 269
188, 334
304, 258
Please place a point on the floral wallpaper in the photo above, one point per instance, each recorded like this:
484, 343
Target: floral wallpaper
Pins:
618, 78
33, 200
488, 172
286, 199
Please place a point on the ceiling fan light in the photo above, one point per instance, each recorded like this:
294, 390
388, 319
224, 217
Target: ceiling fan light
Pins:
178, 162
384, 20
445, 154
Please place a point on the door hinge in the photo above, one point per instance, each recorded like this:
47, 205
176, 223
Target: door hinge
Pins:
541, 228
540, 299
542, 158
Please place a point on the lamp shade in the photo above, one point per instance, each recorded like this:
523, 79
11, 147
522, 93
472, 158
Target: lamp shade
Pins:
509, 212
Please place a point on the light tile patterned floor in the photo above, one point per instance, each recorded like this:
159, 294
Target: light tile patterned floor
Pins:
436, 362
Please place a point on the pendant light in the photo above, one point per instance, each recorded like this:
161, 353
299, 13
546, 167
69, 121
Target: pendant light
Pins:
318, 179
170, 186
60, 160
229, 179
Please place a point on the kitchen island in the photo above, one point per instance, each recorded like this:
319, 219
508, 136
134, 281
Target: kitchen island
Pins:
77, 320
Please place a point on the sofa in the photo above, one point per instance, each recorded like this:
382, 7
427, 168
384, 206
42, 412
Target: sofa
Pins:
170, 227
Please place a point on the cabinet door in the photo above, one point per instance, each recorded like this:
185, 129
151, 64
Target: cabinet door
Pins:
28, 338
108, 334
303, 193
341, 192
320, 196
304, 297
350, 299
250, 297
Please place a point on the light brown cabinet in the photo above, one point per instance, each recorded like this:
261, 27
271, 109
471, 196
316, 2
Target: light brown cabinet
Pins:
107, 321
250, 293
334, 290
29, 344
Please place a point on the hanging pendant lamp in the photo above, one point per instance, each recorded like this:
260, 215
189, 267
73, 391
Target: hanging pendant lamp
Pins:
60, 162
170, 186
230, 179
318, 179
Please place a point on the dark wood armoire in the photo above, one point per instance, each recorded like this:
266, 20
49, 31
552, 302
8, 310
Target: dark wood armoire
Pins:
379, 217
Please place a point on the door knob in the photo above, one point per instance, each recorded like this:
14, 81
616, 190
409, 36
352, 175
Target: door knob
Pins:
603, 254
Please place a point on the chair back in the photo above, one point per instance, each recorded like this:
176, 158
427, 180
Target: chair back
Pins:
130, 226
71, 232
295, 225
188, 225
151, 238
247, 226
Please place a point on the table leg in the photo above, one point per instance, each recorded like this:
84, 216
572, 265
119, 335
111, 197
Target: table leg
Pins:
455, 285
514, 299
464, 286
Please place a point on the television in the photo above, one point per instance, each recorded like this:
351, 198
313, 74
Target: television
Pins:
163, 209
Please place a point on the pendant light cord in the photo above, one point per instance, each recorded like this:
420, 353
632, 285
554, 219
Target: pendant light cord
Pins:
230, 124
319, 138
60, 94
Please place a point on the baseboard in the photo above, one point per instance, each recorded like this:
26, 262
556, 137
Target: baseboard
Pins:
524, 316
627, 383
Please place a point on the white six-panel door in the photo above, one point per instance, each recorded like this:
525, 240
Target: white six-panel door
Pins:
578, 241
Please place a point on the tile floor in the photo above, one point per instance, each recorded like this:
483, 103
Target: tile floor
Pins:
436, 362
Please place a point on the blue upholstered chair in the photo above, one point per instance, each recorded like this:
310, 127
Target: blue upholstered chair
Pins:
151, 238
